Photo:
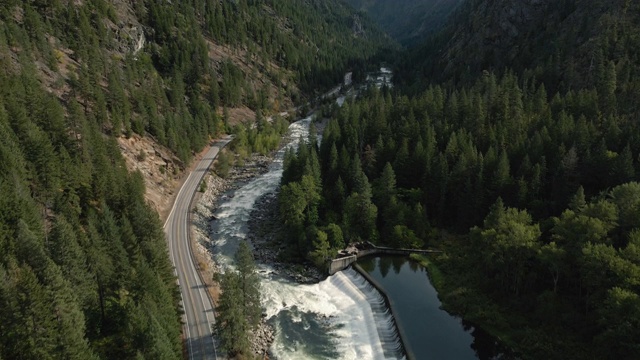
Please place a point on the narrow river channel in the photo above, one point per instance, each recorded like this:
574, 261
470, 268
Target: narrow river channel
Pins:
333, 319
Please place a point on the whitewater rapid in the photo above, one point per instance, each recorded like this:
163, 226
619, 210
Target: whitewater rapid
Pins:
342, 317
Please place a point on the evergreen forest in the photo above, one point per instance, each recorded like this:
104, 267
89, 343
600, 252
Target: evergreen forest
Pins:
84, 267
407, 21
510, 142
521, 164
239, 306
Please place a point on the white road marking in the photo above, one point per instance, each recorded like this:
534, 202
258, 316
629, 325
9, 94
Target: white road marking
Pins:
174, 245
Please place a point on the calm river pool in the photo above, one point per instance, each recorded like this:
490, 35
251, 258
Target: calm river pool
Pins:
430, 332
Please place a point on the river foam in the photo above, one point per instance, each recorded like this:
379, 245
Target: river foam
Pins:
355, 327
338, 318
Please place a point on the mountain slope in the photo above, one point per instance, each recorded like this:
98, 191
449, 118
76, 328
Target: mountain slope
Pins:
407, 21
518, 125
84, 270
567, 44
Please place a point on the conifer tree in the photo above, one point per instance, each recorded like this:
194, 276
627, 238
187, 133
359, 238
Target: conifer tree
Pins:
239, 308
249, 284
232, 326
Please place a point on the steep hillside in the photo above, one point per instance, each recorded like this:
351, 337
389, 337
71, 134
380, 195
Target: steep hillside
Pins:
568, 44
84, 271
407, 21
511, 142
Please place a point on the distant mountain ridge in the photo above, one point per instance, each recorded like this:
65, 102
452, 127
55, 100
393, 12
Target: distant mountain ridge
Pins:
566, 43
407, 21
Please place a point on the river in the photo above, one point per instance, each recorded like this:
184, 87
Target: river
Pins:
334, 319
342, 317
430, 332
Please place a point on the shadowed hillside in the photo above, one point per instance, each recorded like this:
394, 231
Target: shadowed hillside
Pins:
84, 268
407, 21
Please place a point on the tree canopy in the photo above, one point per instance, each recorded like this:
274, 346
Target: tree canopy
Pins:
84, 269
239, 309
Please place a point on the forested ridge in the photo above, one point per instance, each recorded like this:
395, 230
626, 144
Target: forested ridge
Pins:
407, 21
84, 270
564, 44
523, 169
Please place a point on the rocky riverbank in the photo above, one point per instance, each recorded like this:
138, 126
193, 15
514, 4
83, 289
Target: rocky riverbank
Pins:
202, 216
269, 250
262, 338
263, 234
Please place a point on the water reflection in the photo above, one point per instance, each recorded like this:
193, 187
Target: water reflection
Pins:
486, 346
431, 333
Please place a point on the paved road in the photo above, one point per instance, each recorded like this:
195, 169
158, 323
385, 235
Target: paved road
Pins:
198, 309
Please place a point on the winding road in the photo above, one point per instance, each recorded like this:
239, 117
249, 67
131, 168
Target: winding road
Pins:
198, 307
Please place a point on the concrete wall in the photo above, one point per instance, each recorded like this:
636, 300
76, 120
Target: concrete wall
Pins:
398, 324
363, 253
341, 264
391, 251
